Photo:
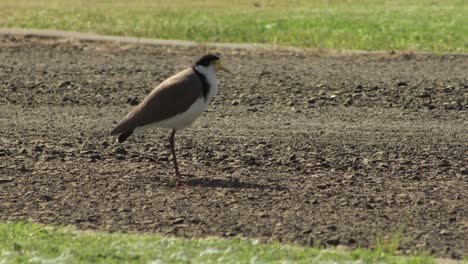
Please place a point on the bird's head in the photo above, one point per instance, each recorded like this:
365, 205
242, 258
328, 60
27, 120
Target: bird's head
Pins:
211, 60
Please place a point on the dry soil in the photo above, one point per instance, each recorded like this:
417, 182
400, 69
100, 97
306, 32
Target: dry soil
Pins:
301, 147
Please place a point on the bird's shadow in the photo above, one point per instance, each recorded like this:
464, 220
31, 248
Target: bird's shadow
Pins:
225, 183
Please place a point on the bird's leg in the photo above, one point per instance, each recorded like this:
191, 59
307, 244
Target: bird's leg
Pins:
176, 166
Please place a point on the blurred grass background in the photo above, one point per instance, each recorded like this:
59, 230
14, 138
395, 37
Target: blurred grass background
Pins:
424, 25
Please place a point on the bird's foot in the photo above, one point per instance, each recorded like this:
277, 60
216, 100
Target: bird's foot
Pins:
175, 181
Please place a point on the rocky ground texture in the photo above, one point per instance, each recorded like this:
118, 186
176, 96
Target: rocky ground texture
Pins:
336, 150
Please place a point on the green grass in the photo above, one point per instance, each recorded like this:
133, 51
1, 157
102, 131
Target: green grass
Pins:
22, 242
424, 25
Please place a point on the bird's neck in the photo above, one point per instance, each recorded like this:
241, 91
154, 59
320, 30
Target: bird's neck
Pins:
209, 74
206, 70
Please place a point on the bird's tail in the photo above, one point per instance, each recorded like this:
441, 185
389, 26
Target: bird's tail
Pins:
122, 137
124, 128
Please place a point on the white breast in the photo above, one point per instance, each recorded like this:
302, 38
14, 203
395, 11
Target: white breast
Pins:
210, 75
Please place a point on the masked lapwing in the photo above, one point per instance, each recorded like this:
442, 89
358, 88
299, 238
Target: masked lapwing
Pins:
175, 103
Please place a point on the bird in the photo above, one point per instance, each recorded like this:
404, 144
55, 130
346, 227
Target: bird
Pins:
175, 103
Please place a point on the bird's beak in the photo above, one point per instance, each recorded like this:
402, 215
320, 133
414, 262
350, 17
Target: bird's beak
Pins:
222, 68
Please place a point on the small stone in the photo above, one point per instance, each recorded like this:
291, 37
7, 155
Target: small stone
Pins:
323, 165
65, 84
263, 215
46, 198
121, 157
120, 150
23, 169
312, 100
402, 84
235, 102
95, 156
348, 102
424, 95
448, 106
3, 180
249, 159
3, 152
38, 148
322, 92
334, 240
416, 178
230, 234
292, 157
322, 186
133, 101
22, 151
177, 221
49, 157
57, 152
444, 163
295, 110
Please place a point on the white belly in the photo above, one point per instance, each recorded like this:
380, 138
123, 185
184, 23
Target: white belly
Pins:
184, 119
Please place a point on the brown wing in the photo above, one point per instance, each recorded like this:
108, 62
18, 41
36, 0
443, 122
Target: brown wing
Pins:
171, 97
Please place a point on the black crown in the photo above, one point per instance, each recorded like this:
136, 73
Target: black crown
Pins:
207, 59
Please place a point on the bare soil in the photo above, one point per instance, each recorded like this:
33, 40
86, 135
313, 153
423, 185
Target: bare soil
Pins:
336, 150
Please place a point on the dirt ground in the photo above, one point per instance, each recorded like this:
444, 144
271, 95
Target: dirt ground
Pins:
337, 150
